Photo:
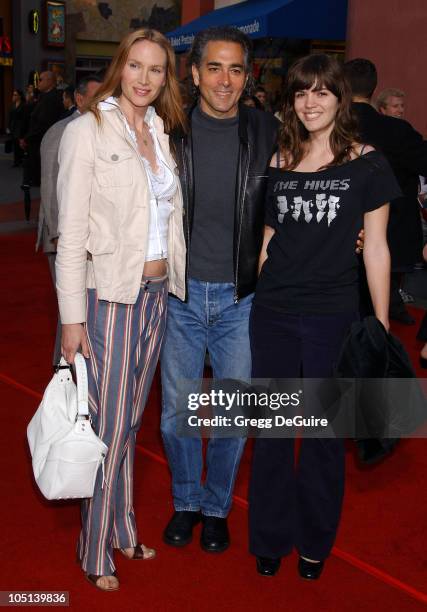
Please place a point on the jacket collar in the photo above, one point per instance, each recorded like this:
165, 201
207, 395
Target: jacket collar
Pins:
112, 103
243, 122
151, 118
365, 107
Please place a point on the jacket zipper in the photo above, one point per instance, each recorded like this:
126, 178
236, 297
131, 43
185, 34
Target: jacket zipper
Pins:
242, 203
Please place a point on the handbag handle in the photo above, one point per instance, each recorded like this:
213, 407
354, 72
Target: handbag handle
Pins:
82, 386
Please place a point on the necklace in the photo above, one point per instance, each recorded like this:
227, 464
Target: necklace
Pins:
145, 141
140, 134
135, 131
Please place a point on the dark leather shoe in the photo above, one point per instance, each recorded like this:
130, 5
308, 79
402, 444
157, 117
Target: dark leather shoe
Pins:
179, 530
215, 536
309, 570
267, 567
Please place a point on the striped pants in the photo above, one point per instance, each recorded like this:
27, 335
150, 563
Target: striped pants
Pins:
124, 344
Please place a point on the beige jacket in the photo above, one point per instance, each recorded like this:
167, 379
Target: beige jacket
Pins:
104, 208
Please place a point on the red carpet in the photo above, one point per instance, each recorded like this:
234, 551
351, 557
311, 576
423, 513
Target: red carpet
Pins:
379, 563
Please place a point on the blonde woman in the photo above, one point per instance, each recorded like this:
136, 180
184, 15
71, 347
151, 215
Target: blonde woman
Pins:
121, 244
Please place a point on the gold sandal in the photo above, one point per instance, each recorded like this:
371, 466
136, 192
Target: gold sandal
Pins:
93, 579
139, 552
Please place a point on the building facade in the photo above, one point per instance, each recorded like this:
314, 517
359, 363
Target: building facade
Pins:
96, 28
389, 32
6, 61
92, 30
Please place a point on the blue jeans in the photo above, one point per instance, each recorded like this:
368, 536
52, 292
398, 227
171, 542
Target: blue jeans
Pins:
209, 320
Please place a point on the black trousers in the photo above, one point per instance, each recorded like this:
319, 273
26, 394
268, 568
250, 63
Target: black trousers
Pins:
17, 152
295, 505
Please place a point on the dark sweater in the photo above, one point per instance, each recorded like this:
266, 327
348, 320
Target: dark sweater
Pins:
215, 156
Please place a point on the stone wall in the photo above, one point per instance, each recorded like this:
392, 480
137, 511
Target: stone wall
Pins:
113, 19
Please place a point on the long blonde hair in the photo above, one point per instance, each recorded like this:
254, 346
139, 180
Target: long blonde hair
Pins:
168, 105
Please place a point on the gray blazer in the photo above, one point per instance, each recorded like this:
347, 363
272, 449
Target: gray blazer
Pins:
48, 213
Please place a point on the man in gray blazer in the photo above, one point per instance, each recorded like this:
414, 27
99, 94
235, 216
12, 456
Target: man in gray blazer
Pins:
47, 234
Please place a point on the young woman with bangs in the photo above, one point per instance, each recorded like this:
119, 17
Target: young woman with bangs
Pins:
121, 244
324, 186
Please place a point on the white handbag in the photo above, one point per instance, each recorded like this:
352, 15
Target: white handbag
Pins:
65, 450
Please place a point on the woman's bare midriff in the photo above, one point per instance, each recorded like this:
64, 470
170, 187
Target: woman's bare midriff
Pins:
158, 267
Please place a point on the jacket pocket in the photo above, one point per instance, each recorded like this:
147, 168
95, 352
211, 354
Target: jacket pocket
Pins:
113, 167
102, 249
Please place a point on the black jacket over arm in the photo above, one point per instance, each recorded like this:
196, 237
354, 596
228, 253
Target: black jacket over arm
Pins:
258, 140
406, 152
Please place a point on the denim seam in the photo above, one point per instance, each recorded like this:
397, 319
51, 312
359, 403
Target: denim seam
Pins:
187, 509
234, 474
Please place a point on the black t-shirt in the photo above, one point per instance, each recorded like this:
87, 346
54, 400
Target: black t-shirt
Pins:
312, 264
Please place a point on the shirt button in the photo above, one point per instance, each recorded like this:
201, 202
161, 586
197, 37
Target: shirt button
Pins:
114, 157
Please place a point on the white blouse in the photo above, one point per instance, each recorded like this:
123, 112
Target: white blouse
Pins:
163, 185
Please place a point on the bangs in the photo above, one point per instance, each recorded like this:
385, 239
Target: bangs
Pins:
305, 81
314, 71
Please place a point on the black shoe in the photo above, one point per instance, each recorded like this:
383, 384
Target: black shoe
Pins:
179, 530
309, 570
215, 536
267, 567
402, 317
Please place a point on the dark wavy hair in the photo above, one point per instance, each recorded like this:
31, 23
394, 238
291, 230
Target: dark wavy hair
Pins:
322, 71
222, 34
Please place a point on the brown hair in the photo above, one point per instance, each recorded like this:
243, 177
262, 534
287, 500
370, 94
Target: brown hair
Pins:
322, 71
168, 105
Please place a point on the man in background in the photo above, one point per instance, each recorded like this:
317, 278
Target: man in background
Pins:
261, 95
68, 100
46, 112
391, 102
48, 213
406, 152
